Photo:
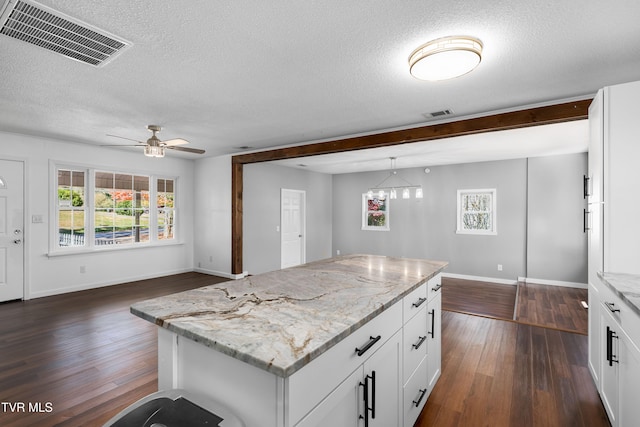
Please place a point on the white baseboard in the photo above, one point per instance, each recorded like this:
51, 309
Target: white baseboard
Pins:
221, 273
552, 282
480, 279
95, 285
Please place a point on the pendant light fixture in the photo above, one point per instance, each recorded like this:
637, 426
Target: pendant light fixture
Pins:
393, 183
445, 58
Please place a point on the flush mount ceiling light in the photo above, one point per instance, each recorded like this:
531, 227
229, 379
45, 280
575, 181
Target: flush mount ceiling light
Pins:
445, 58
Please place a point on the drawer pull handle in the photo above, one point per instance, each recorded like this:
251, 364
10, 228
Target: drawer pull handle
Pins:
436, 288
612, 307
419, 343
422, 393
419, 302
372, 341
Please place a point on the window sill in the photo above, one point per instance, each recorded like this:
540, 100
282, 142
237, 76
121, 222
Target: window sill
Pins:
110, 248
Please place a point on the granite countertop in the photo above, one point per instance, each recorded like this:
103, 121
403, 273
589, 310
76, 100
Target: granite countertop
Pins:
281, 320
626, 286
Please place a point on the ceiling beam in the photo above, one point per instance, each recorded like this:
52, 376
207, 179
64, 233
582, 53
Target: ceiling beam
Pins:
550, 114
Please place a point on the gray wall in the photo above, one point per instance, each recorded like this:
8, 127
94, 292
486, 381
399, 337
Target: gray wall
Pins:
556, 244
261, 214
426, 228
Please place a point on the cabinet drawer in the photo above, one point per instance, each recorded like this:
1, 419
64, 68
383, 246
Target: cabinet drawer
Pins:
415, 341
413, 302
308, 386
628, 319
415, 394
434, 287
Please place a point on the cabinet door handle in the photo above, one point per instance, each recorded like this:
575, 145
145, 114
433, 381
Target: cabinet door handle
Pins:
585, 221
366, 401
585, 186
611, 358
419, 302
419, 343
367, 346
433, 320
373, 394
612, 307
436, 288
422, 393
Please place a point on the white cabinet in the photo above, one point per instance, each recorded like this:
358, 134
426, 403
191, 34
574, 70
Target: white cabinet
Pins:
434, 356
370, 378
620, 361
422, 347
613, 242
613, 179
368, 397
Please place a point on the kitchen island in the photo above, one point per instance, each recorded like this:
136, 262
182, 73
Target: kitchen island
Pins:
290, 347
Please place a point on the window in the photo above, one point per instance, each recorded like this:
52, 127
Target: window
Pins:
121, 208
71, 207
166, 208
375, 213
98, 208
477, 211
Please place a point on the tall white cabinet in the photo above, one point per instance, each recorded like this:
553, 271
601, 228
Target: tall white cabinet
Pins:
611, 221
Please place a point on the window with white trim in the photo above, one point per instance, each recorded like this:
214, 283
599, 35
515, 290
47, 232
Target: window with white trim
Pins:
71, 215
477, 211
98, 208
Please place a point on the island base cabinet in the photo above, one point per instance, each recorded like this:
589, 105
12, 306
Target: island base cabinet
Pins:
415, 394
434, 347
369, 397
186, 364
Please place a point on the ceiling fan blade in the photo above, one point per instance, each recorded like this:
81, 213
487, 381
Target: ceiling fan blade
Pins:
186, 149
121, 145
176, 141
122, 137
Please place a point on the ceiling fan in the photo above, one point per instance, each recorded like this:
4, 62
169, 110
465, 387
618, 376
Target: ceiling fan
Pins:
154, 147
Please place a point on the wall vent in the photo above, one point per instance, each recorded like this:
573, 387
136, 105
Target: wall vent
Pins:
45, 27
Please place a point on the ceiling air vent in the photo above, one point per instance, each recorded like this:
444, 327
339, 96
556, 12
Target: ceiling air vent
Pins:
39, 25
438, 114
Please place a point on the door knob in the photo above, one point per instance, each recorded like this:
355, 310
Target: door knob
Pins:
17, 231
17, 242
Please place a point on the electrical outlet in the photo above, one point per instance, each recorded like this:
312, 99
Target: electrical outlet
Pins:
499, 267
83, 269
337, 251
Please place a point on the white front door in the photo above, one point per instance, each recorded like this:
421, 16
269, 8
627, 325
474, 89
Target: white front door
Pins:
292, 226
11, 230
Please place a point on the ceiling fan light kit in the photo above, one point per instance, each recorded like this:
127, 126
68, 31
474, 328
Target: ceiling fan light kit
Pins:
445, 58
154, 147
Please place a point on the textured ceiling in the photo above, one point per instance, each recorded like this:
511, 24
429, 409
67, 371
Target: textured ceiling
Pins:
225, 74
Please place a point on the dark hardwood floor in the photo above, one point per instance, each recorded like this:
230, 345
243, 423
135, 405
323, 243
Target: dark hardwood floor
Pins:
504, 374
90, 358
82, 352
553, 307
479, 298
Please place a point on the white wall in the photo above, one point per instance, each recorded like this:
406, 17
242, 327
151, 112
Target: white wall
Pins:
426, 228
261, 208
49, 275
212, 241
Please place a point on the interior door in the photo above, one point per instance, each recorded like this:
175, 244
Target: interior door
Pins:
292, 226
11, 230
